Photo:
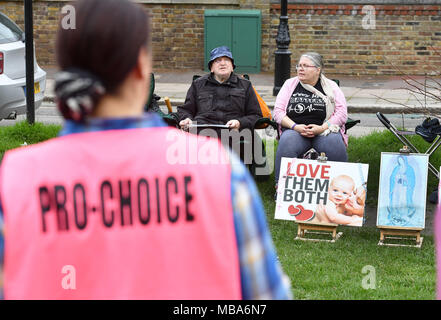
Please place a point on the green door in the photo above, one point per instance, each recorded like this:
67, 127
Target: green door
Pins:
240, 30
246, 44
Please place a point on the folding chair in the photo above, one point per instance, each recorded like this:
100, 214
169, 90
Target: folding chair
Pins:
152, 105
261, 123
401, 136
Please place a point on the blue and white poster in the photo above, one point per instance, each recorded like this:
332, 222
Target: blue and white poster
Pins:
402, 190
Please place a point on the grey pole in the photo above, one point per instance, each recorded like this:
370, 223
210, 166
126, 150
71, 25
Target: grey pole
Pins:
282, 70
29, 34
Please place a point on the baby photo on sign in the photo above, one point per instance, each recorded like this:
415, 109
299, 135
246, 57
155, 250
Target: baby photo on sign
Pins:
402, 190
322, 192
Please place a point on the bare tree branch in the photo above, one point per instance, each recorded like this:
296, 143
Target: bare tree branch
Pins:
428, 88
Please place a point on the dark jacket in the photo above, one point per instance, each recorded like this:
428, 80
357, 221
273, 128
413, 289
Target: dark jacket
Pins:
209, 101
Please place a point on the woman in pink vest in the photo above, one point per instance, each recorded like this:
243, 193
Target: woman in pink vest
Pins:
117, 207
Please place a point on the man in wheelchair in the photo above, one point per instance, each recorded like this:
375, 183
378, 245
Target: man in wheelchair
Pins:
221, 97
221, 101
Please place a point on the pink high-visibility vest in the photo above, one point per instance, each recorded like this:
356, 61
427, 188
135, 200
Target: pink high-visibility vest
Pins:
120, 214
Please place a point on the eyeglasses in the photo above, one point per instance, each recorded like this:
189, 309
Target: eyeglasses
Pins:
304, 66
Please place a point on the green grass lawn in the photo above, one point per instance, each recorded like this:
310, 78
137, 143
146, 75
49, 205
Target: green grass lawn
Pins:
321, 270
14, 136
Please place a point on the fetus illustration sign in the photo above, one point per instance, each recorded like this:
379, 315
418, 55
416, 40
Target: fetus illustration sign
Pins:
321, 192
402, 190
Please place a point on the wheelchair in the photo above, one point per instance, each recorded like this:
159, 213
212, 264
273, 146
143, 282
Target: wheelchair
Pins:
257, 165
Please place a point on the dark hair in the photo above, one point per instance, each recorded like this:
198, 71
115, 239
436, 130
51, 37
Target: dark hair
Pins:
106, 40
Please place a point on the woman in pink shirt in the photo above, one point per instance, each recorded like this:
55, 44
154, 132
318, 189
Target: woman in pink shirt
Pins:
311, 111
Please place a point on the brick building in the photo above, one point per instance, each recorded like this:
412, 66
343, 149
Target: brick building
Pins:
369, 37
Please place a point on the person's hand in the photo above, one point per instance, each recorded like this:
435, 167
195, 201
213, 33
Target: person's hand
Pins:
314, 130
353, 207
233, 124
303, 130
356, 202
360, 194
185, 123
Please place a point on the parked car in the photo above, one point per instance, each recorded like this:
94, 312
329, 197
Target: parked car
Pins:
13, 71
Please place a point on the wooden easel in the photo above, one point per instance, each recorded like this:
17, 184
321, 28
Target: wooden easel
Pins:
400, 233
317, 228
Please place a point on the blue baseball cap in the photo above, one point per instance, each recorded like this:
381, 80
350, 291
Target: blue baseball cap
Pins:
223, 51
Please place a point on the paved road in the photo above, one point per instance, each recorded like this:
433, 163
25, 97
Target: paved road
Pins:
47, 114
369, 122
